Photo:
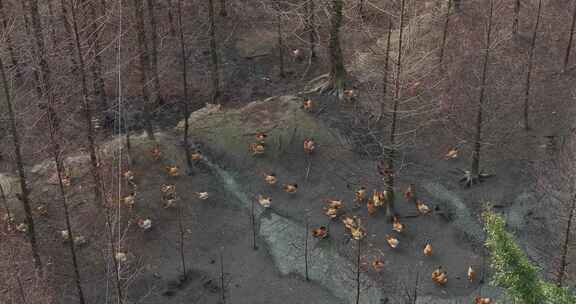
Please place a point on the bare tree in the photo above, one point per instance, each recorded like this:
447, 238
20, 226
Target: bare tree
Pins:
280, 39
181, 237
185, 105
223, 11
311, 27
96, 67
386, 71
81, 69
154, 48
144, 67
530, 64
516, 17
8, 42
337, 76
215, 69
570, 39
25, 196
475, 175
445, 32
28, 30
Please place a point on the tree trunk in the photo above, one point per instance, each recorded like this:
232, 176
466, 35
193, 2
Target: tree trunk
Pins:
358, 264
181, 241
27, 27
445, 33
186, 109
337, 71
311, 27
87, 108
530, 64
389, 152
386, 69
566, 244
222, 285
98, 84
223, 11
475, 170
113, 251
214, 55
171, 17
280, 40
53, 25
306, 250
154, 50
516, 17
144, 67
569, 47
9, 45
24, 197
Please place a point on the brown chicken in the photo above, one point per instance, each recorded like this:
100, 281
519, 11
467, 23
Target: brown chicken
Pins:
156, 153
471, 274
320, 232
309, 146
261, 136
130, 200
396, 225
196, 156
360, 195
349, 93
257, 148
377, 265
422, 208
173, 171
290, 188
349, 222
428, 249
332, 208
409, 193
392, 241
451, 154
378, 198
358, 233
480, 300
264, 201
439, 276
270, 179
307, 104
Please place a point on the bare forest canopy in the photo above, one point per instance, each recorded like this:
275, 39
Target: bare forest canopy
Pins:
287, 151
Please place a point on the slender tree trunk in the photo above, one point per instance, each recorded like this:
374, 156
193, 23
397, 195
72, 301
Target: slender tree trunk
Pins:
280, 40
361, 8
253, 226
81, 69
358, 258
154, 49
9, 45
171, 17
530, 64
70, 44
53, 25
113, 251
214, 55
569, 47
5, 203
27, 27
181, 240
311, 25
415, 299
145, 67
445, 33
223, 11
566, 244
185, 106
306, 250
516, 17
389, 152
337, 70
386, 69
98, 84
475, 170
222, 285
63, 200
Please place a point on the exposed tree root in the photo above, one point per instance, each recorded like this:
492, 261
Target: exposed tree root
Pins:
467, 179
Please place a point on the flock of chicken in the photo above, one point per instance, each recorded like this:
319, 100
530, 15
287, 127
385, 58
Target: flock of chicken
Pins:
334, 209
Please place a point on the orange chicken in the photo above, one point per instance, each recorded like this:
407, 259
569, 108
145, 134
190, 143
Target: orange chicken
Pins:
439, 276
392, 241
396, 225
357, 233
257, 148
290, 188
264, 201
270, 179
173, 171
156, 153
307, 104
409, 193
309, 146
471, 274
422, 208
196, 156
480, 300
360, 195
377, 265
349, 222
451, 154
320, 232
428, 249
